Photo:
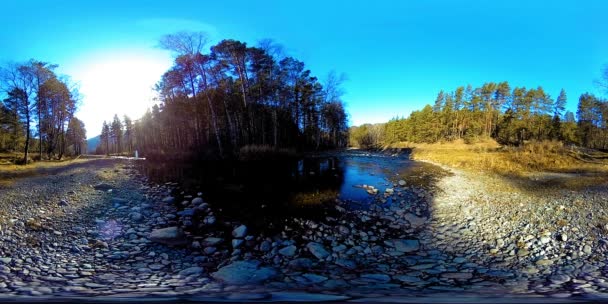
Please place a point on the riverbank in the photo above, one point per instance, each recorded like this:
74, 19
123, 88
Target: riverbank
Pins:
534, 165
102, 229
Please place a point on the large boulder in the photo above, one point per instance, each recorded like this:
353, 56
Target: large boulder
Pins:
168, 236
244, 273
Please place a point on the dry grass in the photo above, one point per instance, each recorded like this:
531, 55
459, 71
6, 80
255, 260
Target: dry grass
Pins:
533, 157
8, 165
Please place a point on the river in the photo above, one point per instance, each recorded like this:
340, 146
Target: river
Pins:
265, 194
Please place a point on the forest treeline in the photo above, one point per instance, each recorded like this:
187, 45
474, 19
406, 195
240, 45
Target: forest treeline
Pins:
511, 116
37, 112
218, 101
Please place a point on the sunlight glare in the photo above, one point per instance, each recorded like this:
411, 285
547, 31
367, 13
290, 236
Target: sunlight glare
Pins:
120, 84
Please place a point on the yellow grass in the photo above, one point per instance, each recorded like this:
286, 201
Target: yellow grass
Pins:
533, 157
7, 165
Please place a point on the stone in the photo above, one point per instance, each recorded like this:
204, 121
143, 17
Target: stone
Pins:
168, 236
403, 245
191, 271
415, 221
376, 277
288, 251
411, 280
103, 187
236, 243
401, 183
197, 201
186, 212
244, 273
136, 216
314, 278
343, 230
6, 260
559, 279
300, 263
239, 232
544, 262
563, 237
209, 220
212, 241
265, 246
169, 200
116, 201
587, 249
348, 264
457, 275
317, 250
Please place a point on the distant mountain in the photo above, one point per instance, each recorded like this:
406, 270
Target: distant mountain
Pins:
92, 144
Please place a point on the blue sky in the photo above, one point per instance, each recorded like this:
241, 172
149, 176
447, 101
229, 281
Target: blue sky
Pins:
397, 54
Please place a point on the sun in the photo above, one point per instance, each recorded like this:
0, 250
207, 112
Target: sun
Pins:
118, 83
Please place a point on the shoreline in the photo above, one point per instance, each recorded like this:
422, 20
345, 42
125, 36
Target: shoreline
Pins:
469, 236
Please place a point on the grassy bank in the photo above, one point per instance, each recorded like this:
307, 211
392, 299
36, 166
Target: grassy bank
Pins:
532, 160
8, 164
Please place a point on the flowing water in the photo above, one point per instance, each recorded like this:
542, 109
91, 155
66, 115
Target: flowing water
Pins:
266, 193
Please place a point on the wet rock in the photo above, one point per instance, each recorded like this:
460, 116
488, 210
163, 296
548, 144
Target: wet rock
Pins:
197, 201
343, 230
288, 251
300, 263
317, 250
169, 200
212, 241
244, 272
209, 220
314, 278
209, 250
265, 246
403, 245
376, 277
348, 264
236, 243
239, 232
457, 275
411, 280
168, 236
191, 271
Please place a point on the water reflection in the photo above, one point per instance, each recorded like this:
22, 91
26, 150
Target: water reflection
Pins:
268, 192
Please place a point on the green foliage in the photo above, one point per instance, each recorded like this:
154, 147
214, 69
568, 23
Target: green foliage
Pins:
35, 98
510, 116
215, 103
367, 136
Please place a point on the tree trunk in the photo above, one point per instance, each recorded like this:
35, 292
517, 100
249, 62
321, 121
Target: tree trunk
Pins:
27, 138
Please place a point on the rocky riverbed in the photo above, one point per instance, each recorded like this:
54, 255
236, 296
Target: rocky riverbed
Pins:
102, 229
